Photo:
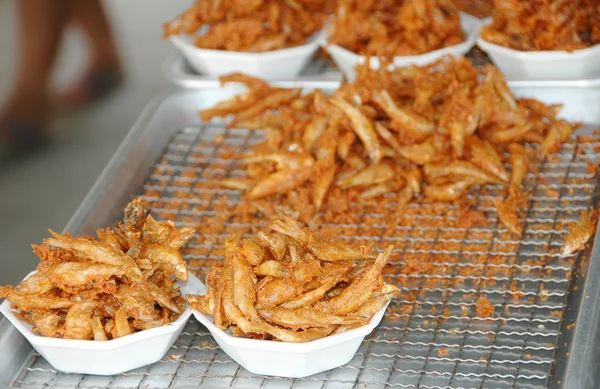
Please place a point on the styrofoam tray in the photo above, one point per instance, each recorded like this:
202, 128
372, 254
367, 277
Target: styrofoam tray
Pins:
284, 359
347, 60
543, 65
112, 356
272, 65
317, 74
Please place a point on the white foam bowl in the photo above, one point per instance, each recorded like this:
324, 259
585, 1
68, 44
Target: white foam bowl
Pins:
273, 65
543, 65
293, 360
347, 61
110, 357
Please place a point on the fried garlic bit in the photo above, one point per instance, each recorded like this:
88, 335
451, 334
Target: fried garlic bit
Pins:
252, 26
434, 132
396, 28
542, 25
579, 234
104, 288
281, 286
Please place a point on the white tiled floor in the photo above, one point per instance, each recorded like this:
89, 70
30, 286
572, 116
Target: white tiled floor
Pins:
44, 190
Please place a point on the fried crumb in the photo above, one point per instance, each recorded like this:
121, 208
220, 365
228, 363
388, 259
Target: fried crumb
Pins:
484, 307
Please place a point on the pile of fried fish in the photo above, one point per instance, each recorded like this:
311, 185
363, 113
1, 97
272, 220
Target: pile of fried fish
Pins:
294, 286
101, 289
432, 133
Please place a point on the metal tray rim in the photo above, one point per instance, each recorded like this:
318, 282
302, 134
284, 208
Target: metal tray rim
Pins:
588, 314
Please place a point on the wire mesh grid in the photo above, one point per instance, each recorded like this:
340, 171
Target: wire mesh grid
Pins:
434, 335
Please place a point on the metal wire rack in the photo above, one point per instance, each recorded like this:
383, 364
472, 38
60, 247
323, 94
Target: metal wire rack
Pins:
432, 336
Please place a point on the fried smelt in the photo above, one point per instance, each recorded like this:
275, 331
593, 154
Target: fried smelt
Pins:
77, 321
37, 283
238, 183
336, 251
322, 183
449, 192
283, 160
48, 323
379, 300
281, 181
79, 274
461, 169
272, 100
232, 312
122, 327
302, 318
417, 126
507, 213
420, 153
579, 234
519, 160
277, 291
137, 302
363, 129
168, 258
559, 132
97, 252
277, 244
272, 268
28, 302
98, 329
371, 175
244, 280
412, 187
359, 290
485, 156
314, 295
252, 251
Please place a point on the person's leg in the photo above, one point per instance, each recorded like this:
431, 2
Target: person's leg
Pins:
41, 25
90, 16
104, 69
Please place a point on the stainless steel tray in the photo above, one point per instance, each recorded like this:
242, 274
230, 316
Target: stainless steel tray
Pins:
431, 342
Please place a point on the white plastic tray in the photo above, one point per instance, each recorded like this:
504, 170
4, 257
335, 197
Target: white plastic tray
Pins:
284, 359
543, 65
109, 357
347, 60
272, 65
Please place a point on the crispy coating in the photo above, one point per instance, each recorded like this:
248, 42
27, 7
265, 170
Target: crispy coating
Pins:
95, 251
77, 321
252, 26
372, 306
286, 298
364, 141
105, 288
507, 212
579, 234
519, 160
396, 28
301, 318
544, 25
359, 290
